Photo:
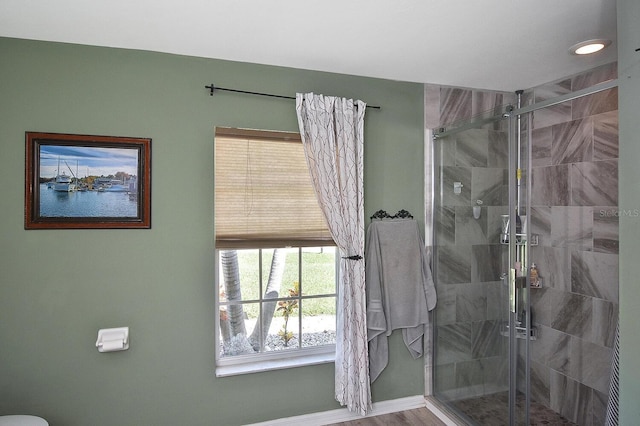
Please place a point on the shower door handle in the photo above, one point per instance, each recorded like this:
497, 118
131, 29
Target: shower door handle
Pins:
513, 292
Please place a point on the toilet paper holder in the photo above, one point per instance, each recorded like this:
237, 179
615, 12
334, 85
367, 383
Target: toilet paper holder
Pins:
113, 339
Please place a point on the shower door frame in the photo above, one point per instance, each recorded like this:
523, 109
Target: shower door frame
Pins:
511, 114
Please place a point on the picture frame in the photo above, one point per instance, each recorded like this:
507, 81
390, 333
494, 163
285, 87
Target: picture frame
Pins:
87, 182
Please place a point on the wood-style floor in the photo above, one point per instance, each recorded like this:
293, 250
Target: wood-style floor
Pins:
416, 417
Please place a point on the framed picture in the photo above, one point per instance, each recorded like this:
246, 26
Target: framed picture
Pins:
84, 182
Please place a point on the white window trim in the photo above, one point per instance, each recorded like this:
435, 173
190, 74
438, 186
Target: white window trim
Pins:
244, 364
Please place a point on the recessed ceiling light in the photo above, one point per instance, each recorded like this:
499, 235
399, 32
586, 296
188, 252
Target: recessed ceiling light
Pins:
588, 47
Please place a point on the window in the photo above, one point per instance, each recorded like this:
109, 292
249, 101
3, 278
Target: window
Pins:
275, 258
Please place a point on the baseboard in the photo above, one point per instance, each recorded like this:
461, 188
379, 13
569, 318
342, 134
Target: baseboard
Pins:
343, 415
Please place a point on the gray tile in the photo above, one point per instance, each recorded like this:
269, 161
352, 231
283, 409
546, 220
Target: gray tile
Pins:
451, 175
558, 352
445, 377
570, 398
549, 346
606, 238
497, 305
594, 76
590, 364
455, 105
469, 230
605, 319
486, 339
487, 103
471, 302
540, 376
605, 136
597, 103
541, 306
472, 148
487, 185
445, 220
469, 373
573, 314
541, 147
572, 142
595, 274
540, 222
554, 114
454, 343
495, 371
445, 151
486, 262
498, 149
572, 227
550, 186
553, 265
445, 310
453, 264
594, 184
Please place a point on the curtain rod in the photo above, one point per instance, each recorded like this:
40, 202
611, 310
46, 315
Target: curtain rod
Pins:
212, 88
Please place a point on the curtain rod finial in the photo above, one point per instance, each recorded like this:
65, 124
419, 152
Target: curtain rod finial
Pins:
211, 89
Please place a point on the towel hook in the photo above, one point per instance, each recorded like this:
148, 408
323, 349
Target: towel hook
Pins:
402, 214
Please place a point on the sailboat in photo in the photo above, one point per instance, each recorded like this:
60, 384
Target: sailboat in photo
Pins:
64, 182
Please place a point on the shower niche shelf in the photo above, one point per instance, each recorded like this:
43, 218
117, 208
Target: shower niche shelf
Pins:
521, 239
521, 332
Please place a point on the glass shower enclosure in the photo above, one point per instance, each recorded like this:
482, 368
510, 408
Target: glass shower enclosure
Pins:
481, 267
488, 240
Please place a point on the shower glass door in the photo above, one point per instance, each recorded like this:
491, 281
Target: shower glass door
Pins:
514, 343
481, 244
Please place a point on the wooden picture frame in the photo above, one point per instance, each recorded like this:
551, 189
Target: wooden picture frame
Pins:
87, 182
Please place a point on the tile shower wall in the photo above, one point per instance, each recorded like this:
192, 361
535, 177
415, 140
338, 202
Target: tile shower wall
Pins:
471, 355
574, 212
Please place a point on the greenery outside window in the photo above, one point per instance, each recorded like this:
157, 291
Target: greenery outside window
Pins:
275, 258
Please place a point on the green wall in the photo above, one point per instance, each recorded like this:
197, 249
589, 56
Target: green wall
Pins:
629, 107
58, 287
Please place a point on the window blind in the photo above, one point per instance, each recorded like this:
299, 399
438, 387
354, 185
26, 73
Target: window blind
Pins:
263, 192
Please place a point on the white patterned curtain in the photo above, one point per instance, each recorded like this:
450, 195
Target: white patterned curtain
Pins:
332, 131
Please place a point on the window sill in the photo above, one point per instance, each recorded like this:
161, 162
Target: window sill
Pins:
299, 358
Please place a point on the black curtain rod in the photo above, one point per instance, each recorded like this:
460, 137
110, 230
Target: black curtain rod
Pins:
212, 88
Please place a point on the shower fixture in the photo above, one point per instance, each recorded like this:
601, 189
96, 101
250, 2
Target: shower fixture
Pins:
477, 209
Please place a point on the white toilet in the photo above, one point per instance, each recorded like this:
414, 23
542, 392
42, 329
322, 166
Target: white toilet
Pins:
20, 420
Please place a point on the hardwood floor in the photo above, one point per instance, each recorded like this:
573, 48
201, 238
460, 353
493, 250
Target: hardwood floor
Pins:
416, 417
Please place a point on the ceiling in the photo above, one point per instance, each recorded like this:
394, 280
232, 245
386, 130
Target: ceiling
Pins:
488, 44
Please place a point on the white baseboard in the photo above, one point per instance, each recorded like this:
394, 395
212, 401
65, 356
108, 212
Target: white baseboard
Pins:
343, 415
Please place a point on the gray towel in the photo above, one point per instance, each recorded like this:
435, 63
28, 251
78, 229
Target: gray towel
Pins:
400, 289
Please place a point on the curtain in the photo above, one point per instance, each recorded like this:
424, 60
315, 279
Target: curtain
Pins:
332, 131
613, 404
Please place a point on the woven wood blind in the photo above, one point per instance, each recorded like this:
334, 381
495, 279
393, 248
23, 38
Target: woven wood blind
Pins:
263, 192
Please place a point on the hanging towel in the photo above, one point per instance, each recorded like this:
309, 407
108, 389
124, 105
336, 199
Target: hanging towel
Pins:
400, 289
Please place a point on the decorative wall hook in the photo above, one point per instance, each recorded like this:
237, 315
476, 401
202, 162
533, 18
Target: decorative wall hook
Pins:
402, 214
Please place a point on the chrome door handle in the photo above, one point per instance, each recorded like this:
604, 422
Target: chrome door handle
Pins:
512, 290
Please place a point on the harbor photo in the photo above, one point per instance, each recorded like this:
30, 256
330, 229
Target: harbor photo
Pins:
76, 181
